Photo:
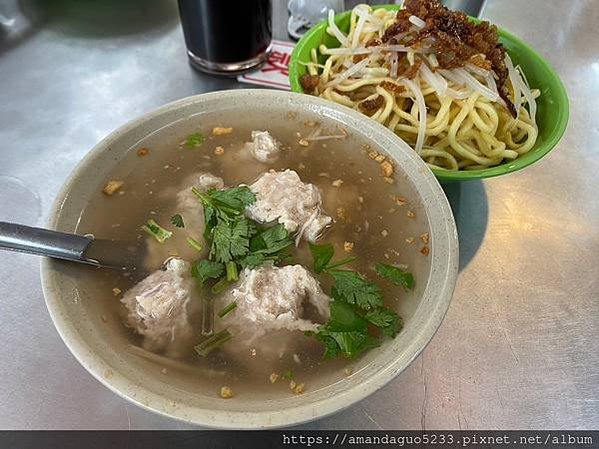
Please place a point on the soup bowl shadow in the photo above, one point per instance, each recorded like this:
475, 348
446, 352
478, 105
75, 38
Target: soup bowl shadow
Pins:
470, 209
101, 345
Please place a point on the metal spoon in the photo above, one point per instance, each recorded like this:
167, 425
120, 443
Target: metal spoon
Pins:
77, 248
82, 249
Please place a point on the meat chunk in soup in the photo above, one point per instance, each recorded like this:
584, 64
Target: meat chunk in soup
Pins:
207, 181
263, 147
158, 307
283, 197
274, 298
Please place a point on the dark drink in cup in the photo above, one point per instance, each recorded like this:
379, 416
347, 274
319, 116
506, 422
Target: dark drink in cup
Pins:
226, 37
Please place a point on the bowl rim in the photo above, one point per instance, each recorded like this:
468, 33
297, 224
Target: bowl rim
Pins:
504, 168
445, 260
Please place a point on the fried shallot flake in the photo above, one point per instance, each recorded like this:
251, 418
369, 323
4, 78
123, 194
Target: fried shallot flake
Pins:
220, 131
309, 82
400, 200
226, 392
372, 105
387, 168
392, 87
452, 37
112, 187
299, 389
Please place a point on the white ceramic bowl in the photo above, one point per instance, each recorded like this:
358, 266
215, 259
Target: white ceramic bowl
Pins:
101, 347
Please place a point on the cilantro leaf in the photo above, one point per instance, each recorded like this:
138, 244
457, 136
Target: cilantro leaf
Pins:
276, 239
350, 344
339, 263
231, 240
287, 375
209, 222
156, 231
322, 255
236, 198
177, 220
352, 288
267, 244
272, 240
344, 318
225, 204
206, 269
357, 303
331, 348
396, 275
380, 317
388, 321
393, 329
194, 140
252, 260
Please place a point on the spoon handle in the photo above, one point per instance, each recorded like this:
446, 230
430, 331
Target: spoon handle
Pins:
43, 242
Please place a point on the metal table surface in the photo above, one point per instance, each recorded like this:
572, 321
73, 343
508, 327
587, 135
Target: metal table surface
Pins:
519, 346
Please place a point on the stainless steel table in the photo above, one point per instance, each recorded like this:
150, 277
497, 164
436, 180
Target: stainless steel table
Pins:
519, 347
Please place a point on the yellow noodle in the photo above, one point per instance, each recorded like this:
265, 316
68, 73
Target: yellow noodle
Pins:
388, 104
453, 165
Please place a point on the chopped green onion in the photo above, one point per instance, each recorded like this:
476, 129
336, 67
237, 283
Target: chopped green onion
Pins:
156, 231
213, 342
195, 244
228, 308
220, 286
232, 274
287, 375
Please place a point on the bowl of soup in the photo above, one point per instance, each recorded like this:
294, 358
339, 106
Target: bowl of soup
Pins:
292, 257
